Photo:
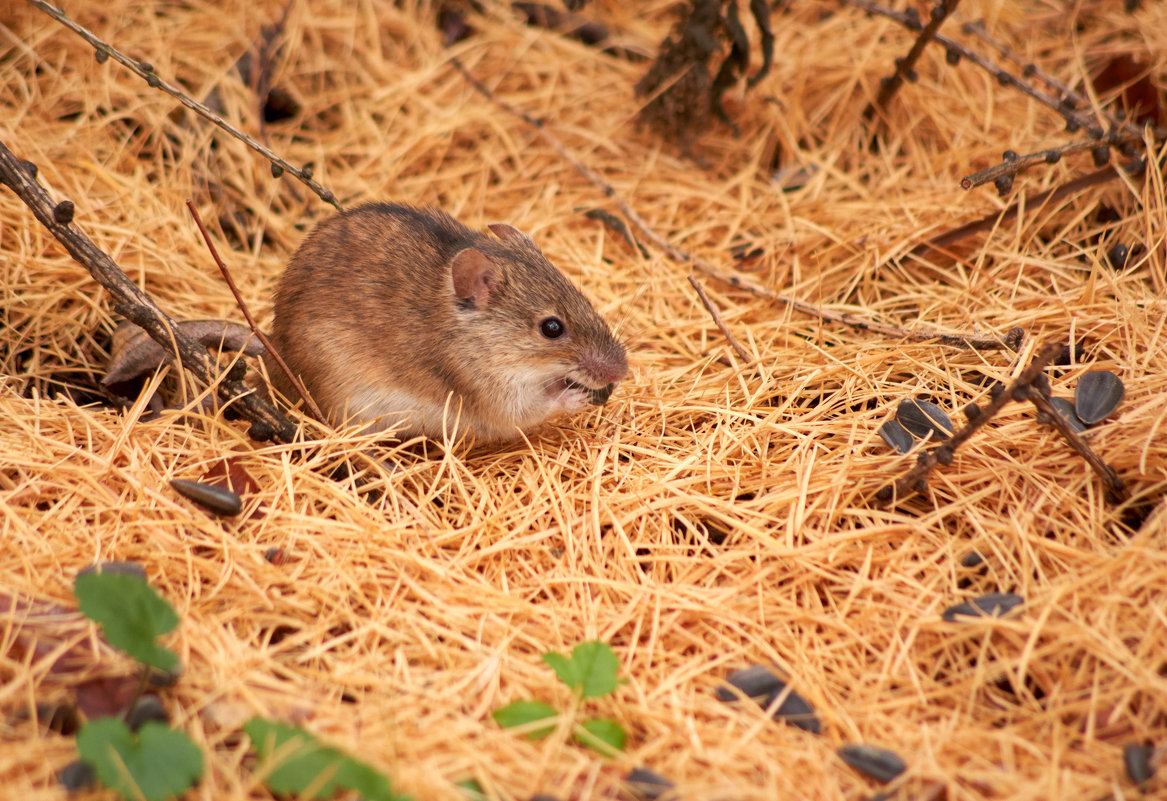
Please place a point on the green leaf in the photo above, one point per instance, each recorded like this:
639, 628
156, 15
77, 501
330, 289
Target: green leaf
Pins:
566, 669
591, 669
304, 764
523, 712
155, 764
471, 789
601, 735
131, 613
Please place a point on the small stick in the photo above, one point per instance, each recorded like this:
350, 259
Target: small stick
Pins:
905, 67
915, 480
938, 243
1002, 174
145, 71
705, 300
1115, 487
1028, 68
57, 218
315, 410
722, 276
1074, 120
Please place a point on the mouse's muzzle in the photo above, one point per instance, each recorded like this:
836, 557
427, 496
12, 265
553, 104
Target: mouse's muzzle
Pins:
596, 397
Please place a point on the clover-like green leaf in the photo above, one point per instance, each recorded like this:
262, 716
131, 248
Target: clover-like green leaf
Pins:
155, 764
471, 790
565, 668
601, 735
591, 670
131, 613
521, 713
304, 764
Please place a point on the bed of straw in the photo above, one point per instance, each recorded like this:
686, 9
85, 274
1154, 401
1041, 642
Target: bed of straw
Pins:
715, 514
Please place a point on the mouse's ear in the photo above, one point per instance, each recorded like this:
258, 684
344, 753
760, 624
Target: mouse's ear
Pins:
508, 233
475, 276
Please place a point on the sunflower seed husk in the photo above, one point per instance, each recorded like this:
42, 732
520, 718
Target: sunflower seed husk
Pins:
647, 784
1066, 410
1098, 394
921, 418
756, 681
878, 763
1136, 759
896, 436
219, 500
995, 604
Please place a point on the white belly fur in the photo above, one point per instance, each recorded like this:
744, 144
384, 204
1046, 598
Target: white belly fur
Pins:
382, 410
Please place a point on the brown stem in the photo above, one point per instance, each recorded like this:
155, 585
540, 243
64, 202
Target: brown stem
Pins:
735, 280
915, 480
905, 67
938, 243
312, 407
145, 71
57, 218
716, 315
1115, 487
1074, 119
1014, 164
1028, 68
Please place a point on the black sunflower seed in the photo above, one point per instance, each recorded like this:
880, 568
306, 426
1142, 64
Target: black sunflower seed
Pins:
761, 684
1117, 255
756, 681
995, 604
878, 763
971, 559
896, 436
219, 500
1066, 410
922, 417
1098, 394
147, 708
1136, 759
797, 712
77, 775
647, 784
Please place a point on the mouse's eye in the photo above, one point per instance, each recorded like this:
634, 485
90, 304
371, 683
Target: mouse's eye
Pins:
552, 328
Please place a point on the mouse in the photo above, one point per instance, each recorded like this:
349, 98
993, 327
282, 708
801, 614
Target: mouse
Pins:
400, 317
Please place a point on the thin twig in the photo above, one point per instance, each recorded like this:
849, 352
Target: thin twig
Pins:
955, 50
145, 70
1028, 68
725, 277
1115, 487
716, 315
915, 480
312, 407
906, 67
139, 307
1002, 174
940, 242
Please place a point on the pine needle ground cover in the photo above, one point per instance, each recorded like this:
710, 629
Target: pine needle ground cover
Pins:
718, 513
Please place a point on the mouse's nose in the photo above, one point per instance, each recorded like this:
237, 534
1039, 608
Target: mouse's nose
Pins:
607, 366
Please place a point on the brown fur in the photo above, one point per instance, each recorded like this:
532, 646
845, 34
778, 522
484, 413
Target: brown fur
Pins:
367, 310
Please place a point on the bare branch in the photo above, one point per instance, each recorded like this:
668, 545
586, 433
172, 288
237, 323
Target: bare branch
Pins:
138, 306
916, 479
1002, 174
716, 315
736, 280
906, 67
145, 71
295, 382
1115, 487
939, 243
